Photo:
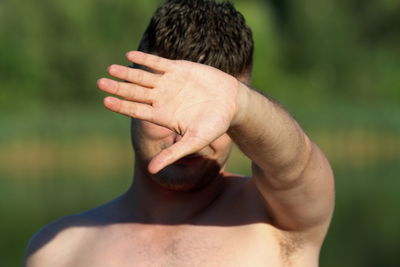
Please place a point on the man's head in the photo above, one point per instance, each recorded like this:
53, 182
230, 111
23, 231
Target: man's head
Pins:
206, 32
202, 31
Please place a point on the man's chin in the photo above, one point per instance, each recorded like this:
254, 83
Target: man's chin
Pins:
188, 174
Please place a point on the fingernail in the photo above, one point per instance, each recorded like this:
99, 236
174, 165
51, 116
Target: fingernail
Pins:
110, 101
107, 82
101, 82
114, 69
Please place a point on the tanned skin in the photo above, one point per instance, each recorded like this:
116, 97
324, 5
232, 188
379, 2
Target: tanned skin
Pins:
183, 209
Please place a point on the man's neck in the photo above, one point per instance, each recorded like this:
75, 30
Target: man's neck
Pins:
152, 203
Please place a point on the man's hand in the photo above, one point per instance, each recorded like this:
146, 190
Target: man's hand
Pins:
196, 101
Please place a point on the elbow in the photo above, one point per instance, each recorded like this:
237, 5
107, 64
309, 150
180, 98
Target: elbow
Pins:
289, 172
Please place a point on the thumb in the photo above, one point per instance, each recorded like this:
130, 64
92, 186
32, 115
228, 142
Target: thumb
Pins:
186, 146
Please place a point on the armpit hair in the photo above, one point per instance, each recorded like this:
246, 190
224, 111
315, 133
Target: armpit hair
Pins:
290, 243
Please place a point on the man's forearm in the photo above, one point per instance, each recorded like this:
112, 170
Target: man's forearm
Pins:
270, 137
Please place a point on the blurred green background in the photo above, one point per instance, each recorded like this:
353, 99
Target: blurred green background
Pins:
335, 65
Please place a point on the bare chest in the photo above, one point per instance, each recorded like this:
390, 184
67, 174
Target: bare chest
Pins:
250, 245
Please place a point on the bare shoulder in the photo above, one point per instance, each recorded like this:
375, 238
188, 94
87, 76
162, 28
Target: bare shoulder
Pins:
56, 241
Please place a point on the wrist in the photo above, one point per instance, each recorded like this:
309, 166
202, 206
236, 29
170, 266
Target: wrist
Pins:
242, 103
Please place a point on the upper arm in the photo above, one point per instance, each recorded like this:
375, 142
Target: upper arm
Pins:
307, 204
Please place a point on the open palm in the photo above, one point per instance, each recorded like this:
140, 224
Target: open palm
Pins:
194, 100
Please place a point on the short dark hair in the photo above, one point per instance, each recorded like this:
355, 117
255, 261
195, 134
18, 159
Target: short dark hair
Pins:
202, 31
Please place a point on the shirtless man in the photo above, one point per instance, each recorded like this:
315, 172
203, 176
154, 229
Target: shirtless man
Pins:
183, 209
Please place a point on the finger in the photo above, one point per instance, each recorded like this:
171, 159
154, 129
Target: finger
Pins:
137, 76
128, 91
128, 108
186, 146
151, 61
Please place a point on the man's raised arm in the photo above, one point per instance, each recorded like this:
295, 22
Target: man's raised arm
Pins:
290, 171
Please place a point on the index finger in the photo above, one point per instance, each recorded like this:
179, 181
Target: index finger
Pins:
187, 145
151, 61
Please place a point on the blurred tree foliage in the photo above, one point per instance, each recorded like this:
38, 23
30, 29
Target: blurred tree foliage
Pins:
53, 51
352, 45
